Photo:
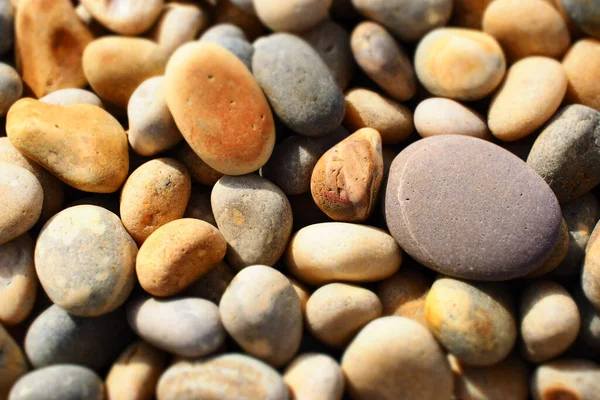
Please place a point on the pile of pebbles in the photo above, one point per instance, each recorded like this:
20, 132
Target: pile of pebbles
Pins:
299, 199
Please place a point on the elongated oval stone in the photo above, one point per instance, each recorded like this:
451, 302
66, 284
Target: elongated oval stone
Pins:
470, 209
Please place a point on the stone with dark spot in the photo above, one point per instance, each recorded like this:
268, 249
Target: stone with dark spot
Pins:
567, 152
468, 208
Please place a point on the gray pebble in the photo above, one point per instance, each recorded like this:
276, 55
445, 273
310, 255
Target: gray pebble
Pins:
239, 47
7, 19
219, 31
11, 86
72, 96
585, 14
198, 206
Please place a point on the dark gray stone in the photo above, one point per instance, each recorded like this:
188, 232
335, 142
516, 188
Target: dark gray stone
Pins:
585, 14
7, 19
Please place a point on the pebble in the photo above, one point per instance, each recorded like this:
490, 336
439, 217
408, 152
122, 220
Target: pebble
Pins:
18, 281
489, 216
220, 31
409, 20
13, 363
469, 13
7, 17
403, 294
65, 382
11, 87
557, 256
337, 311
440, 116
527, 28
475, 322
369, 109
199, 206
395, 355
116, 66
57, 337
346, 180
226, 377
126, 17
565, 153
566, 379
199, 171
82, 145
582, 66
154, 194
314, 376
367, 254
72, 96
591, 269
530, 95
184, 326
286, 67
584, 14
179, 23
242, 49
196, 75
384, 60
212, 284
51, 39
255, 218
262, 313
21, 204
135, 373
291, 15
302, 292
152, 129
461, 64
177, 254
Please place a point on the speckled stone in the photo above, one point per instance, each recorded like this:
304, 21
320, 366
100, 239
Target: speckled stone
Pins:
488, 215
287, 67
584, 13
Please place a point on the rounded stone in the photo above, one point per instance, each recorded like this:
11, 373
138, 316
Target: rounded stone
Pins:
227, 12
530, 95
11, 87
7, 19
475, 322
85, 260
566, 153
57, 337
72, 96
403, 294
394, 355
409, 20
241, 48
590, 276
199, 206
255, 218
135, 373
346, 180
368, 109
196, 78
13, 363
440, 116
65, 382
527, 28
584, 14
21, 201
582, 66
177, 254
589, 332
461, 64
291, 15
469, 13
220, 31
558, 254
261, 311
314, 254
489, 216
550, 321
184, 326
212, 284
384, 60
314, 376
18, 280
199, 171
152, 129
302, 292
126, 17
566, 379
337, 311
154, 194
226, 377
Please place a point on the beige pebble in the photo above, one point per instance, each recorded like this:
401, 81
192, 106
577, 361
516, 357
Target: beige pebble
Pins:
72, 96
582, 66
13, 363
179, 23
567, 379
404, 293
199, 171
291, 15
227, 12
590, 274
127, 17
314, 376
532, 91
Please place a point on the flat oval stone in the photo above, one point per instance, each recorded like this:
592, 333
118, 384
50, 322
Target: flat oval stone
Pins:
567, 153
7, 19
11, 87
314, 376
291, 15
582, 66
488, 215
205, 82
72, 96
286, 67
584, 14
13, 363
440, 116
127, 17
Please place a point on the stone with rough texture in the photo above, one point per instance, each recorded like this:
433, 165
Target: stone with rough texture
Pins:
314, 376
7, 19
566, 379
582, 66
13, 363
488, 216
403, 294
126, 17
584, 13
11, 87
179, 23
440, 116
70, 97
291, 15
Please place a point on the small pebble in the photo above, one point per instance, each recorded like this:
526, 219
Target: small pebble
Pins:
566, 379
199, 171
13, 363
11, 87
440, 116
7, 19
314, 376
73, 96
220, 31
244, 5
584, 14
582, 66
179, 23
590, 281
404, 293
291, 15
127, 17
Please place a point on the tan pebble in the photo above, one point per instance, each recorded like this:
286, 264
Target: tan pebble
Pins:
196, 77
558, 254
82, 145
227, 12
461, 64
50, 41
116, 66
199, 206
291, 15
70, 97
261, 311
302, 292
127, 17
13, 363
394, 355
177, 254
569, 379
404, 293
439, 116
382, 58
156, 193
346, 180
469, 13
590, 275
315, 376
135, 373
178, 24
582, 66
336, 312
315, 254
199, 171
11, 87
368, 109
212, 284
18, 280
